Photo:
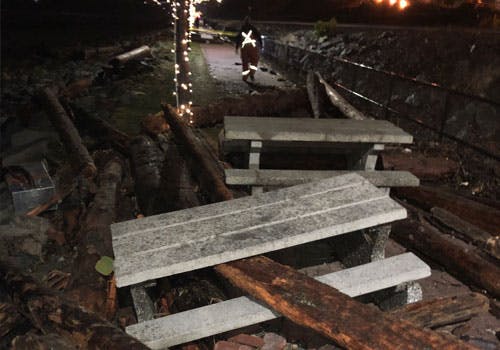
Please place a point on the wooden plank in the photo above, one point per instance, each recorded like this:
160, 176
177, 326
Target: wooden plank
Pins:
481, 215
313, 130
444, 311
250, 227
331, 313
241, 312
271, 177
460, 260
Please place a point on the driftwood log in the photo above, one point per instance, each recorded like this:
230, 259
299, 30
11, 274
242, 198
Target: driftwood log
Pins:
461, 260
279, 102
469, 232
87, 287
316, 93
208, 174
443, 311
333, 314
480, 215
68, 133
135, 54
339, 102
53, 314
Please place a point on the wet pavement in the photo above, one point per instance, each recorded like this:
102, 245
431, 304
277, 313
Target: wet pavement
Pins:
225, 66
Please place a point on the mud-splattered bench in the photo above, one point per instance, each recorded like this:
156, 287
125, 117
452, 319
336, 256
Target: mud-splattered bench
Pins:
177, 242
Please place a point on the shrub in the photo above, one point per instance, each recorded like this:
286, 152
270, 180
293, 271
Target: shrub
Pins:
325, 28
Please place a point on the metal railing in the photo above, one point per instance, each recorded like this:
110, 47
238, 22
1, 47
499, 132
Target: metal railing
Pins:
295, 56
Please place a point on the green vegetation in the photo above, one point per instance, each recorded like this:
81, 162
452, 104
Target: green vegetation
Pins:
325, 28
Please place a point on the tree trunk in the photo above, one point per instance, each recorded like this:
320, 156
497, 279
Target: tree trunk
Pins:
276, 103
207, 172
68, 133
459, 259
333, 314
53, 314
443, 311
87, 286
469, 232
484, 217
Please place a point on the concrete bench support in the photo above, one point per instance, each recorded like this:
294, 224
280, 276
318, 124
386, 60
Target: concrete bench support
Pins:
241, 312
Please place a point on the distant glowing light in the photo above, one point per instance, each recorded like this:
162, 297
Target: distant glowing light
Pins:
393, 2
403, 4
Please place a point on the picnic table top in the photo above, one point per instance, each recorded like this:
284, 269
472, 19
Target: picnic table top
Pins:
313, 130
191, 239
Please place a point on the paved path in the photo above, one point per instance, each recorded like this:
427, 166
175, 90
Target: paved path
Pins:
224, 65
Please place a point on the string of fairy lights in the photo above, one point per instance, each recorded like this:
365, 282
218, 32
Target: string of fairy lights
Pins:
183, 85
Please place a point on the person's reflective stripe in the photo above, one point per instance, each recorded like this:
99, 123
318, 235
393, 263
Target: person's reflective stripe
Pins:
248, 39
253, 67
246, 72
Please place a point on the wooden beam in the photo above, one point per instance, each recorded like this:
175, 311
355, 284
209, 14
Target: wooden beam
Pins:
426, 197
443, 311
324, 309
67, 132
461, 260
209, 175
316, 94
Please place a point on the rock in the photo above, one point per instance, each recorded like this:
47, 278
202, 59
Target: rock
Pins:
322, 39
273, 341
227, 345
250, 340
413, 100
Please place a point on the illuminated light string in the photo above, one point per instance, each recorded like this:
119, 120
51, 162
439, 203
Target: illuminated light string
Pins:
190, 13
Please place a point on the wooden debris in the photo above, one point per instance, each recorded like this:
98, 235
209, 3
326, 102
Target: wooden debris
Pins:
316, 93
208, 174
68, 133
339, 102
493, 246
10, 318
101, 51
42, 342
279, 102
148, 157
87, 286
425, 167
443, 311
53, 314
102, 129
458, 259
135, 54
480, 215
326, 310
469, 232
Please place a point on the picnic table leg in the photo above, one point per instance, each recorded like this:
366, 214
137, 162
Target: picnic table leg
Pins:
254, 162
143, 305
366, 159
